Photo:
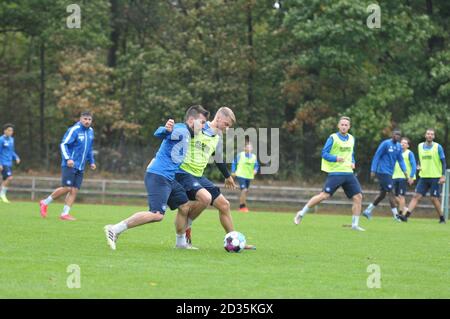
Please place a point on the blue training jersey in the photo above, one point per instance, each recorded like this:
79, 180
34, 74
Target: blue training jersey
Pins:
387, 154
77, 145
172, 151
7, 152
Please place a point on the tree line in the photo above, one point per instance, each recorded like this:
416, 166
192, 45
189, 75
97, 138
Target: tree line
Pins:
135, 63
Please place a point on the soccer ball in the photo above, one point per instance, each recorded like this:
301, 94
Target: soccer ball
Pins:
234, 242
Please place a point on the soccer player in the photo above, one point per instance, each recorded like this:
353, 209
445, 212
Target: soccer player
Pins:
432, 168
162, 188
338, 160
400, 182
76, 150
245, 166
199, 188
7, 156
383, 163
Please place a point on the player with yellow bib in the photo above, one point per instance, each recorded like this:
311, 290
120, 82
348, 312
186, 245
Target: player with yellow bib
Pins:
245, 166
432, 174
338, 161
400, 182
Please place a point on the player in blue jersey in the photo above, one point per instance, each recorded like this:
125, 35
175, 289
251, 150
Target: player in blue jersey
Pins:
338, 160
162, 188
388, 153
76, 150
7, 156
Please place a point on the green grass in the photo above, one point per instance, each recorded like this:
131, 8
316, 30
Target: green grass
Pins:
318, 259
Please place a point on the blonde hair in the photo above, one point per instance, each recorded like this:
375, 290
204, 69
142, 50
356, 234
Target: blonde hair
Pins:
227, 112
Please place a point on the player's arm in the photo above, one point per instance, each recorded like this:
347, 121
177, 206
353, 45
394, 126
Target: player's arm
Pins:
412, 160
326, 152
444, 164
90, 156
165, 130
234, 164
256, 168
1, 150
68, 139
229, 181
376, 158
15, 156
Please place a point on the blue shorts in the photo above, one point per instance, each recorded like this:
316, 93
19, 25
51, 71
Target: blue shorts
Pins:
244, 183
192, 184
386, 182
71, 177
429, 184
162, 192
6, 172
400, 186
349, 184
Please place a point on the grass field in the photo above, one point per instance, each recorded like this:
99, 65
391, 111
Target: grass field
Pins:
318, 259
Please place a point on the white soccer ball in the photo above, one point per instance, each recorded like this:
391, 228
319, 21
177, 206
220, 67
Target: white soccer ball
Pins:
234, 242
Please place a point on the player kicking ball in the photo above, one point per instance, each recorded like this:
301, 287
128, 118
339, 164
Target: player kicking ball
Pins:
76, 151
162, 188
190, 175
338, 161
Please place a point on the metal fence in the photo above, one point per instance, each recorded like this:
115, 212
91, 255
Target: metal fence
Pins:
101, 190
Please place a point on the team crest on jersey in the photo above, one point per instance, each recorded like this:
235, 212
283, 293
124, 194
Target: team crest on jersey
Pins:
81, 137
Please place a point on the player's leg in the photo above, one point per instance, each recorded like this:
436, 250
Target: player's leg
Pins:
179, 199
331, 185
158, 190
352, 189
243, 196
386, 186
421, 190
224, 208
7, 178
435, 193
71, 196
67, 180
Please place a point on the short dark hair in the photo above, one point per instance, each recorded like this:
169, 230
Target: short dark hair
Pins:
86, 113
195, 111
397, 132
7, 126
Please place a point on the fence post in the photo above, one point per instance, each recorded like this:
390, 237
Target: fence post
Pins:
33, 188
103, 191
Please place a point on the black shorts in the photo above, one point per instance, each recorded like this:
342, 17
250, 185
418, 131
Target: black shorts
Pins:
192, 184
348, 182
429, 184
71, 177
386, 182
163, 192
244, 183
400, 186
6, 172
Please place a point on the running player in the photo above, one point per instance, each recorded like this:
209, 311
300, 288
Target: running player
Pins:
432, 167
245, 166
76, 150
7, 156
338, 161
400, 182
383, 163
162, 188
